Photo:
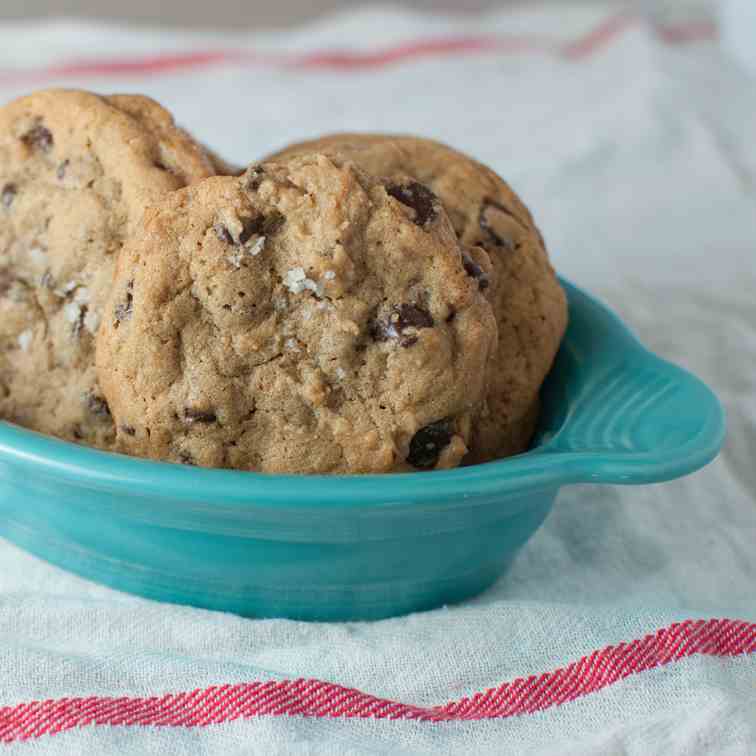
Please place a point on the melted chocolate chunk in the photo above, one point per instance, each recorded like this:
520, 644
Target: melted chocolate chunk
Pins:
406, 317
475, 271
419, 198
129, 430
124, 310
428, 443
485, 224
61, 172
38, 138
97, 406
199, 416
8, 194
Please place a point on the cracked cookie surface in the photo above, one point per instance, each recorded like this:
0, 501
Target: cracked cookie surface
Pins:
304, 317
528, 302
76, 171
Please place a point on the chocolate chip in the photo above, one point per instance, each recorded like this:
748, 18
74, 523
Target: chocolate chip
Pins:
419, 198
250, 227
76, 432
401, 319
258, 225
262, 225
383, 330
124, 309
61, 172
475, 271
9, 194
78, 325
412, 316
484, 221
427, 444
254, 178
129, 430
97, 405
199, 416
39, 138
186, 458
7, 280
272, 223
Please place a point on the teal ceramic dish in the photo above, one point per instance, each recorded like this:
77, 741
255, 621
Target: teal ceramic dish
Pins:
360, 547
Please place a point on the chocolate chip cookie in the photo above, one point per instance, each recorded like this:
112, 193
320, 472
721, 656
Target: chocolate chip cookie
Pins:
305, 317
76, 171
528, 302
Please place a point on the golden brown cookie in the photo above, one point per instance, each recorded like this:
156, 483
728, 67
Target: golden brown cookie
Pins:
76, 171
304, 317
528, 302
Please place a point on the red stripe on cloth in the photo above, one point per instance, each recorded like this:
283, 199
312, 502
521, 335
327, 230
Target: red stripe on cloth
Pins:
604, 33
692, 32
433, 48
315, 698
151, 64
349, 60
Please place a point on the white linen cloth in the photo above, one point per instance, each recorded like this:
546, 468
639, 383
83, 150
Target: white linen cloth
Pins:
635, 146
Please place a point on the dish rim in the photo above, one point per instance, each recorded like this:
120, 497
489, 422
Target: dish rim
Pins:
545, 466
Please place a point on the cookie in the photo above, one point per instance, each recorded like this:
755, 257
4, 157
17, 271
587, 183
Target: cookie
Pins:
528, 302
304, 317
76, 171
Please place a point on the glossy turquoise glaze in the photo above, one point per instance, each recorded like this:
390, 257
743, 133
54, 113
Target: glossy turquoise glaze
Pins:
360, 547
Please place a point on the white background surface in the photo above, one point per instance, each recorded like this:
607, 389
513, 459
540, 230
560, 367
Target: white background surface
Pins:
639, 164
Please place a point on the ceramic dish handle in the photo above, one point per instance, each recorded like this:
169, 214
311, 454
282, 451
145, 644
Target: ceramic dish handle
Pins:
627, 416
